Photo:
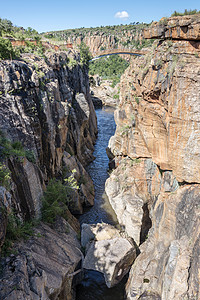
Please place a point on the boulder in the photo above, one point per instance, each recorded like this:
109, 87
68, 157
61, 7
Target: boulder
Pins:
42, 267
112, 257
99, 232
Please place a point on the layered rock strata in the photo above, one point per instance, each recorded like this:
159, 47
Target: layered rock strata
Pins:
155, 189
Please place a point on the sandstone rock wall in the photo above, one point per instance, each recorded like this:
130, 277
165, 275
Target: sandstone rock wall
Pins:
155, 189
183, 28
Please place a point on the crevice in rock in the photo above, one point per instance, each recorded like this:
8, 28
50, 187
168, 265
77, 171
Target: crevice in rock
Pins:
146, 224
182, 183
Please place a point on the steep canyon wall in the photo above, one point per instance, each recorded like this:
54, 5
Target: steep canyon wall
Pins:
46, 109
154, 188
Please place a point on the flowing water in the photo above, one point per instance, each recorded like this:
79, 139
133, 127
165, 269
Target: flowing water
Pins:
98, 170
93, 286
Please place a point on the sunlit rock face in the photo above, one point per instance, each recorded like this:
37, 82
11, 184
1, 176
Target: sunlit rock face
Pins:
107, 251
154, 188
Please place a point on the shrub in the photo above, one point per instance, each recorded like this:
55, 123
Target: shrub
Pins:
57, 198
110, 68
72, 62
6, 49
137, 100
85, 55
116, 96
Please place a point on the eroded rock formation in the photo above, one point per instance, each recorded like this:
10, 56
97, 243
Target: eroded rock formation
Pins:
103, 93
107, 251
155, 189
47, 107
46, 110
43, 266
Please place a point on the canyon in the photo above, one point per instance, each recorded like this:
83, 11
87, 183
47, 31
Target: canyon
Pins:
154, 188
154, 184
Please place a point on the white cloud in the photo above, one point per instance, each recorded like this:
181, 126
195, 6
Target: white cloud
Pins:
122, 15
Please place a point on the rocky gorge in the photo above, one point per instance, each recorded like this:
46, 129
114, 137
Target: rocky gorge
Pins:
48, 130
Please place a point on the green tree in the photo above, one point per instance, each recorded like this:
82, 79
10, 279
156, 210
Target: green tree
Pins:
85, 55
6, 49
109, 68
5, 26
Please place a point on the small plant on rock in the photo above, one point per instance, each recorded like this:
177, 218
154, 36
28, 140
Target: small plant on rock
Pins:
4, 176
15, 230
57, 197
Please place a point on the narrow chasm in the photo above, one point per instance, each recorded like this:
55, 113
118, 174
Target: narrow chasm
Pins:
93, 286
146, 224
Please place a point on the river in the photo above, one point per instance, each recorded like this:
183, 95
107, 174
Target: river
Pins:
93, 285
98, 170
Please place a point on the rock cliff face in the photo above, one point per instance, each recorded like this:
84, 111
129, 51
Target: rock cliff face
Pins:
183, 28
46, 105
43, 266
103, 38
155, 189
103, 93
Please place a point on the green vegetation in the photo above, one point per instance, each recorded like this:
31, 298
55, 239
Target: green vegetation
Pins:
9, 31
6, 49
15, 230
116, 30
137, 100
116, 96
16, 149
125, 129
57, 197
110, 68
85, 55
138, 44
72, 62
186, 12
4, 176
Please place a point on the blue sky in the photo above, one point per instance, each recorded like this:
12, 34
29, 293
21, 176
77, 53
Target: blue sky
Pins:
44, 15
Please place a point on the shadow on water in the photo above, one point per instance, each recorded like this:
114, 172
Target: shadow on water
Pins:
93, 286
98, 170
